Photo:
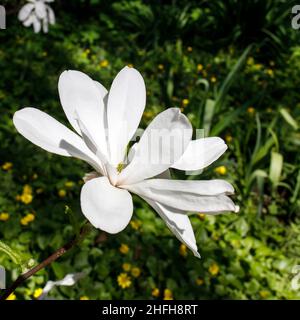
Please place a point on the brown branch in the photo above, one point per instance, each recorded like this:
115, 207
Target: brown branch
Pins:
58, 253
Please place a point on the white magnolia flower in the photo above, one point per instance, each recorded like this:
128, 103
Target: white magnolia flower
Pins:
37, 13
105, 197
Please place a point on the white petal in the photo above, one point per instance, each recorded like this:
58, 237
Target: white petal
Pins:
51, 15
49, 134
40, 9
125, 106
29, 21
37, 25
25, 11
178, 223
106, 207
80, 97
201, 153
195, 196
103, 91
162, 144
45, 25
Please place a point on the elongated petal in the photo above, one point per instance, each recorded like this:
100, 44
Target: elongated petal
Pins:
178, 223
40, 9
201, 153
106, 207
25, 11
195, 196
51, 15
49, 134
37, 25
80, 97
125, 106
161, 145
103, 91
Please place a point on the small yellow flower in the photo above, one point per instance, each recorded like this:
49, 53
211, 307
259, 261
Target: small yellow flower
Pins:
12, 296
270, 73
124, 281
135, 224
183, 250
222, 170
185, 102
27, 219
251, 110
136, 272
213, 79
199, 67
7, 166
35, 176
160, 67
69, 184
155, 292
258, 66
27, 189
84, 298
126, 267
250, 61
4, 216
26, 198
124, 248
189, 49
168, 294
201, 216
199, 281
130, 65
62, 193
214, 269
104, 63
37, 293
264, 294
228, 138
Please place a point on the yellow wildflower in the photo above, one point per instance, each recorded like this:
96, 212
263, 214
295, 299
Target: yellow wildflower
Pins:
168, 294
104, 63
250, 61
62, 193
213, 79
26, 198
189, 49
201, 216
251, 110
84, 298
214, 269
124, 281
135, 224
37, 292
7, 166
160, 67
199, 281
136, 272
27, 189
124, 248
27, 219
12, 296
222, 170
270, 72
35, 176
228, 138
130, 65
185, 102
155, 292
199, 67
69, 184
4, 216
183, 250
126, 267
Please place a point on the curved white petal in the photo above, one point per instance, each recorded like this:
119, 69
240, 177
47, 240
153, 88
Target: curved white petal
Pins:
103, 91
25, 11
80, 97
45, 25
106, 207
161, 145
49, 134
201, 153
40, 9
194, 196
125, 106
51, 15
37, 25
178, 223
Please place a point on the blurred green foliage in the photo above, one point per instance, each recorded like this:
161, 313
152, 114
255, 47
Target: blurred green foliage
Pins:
234, 68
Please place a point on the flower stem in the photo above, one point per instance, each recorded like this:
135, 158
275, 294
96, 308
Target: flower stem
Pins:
57, 254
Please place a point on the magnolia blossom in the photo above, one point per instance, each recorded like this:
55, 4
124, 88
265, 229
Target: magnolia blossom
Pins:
105, 122
37, 13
